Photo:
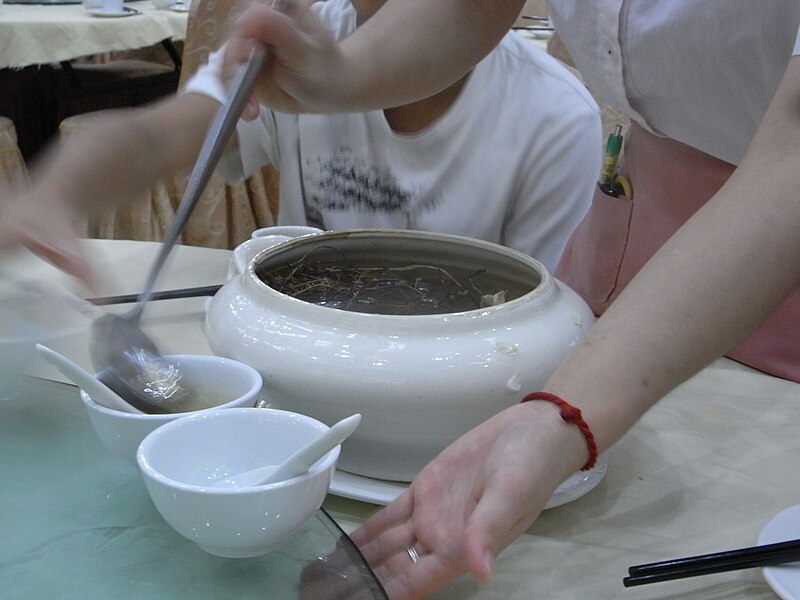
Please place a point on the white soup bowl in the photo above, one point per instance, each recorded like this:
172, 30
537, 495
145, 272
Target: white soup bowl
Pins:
181, 460
234, 383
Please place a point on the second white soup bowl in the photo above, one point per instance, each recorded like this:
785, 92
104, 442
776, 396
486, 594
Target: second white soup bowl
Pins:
181, 461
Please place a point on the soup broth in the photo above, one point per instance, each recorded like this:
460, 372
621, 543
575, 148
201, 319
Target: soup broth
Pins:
395, 281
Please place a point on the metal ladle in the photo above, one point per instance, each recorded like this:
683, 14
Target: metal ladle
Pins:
132, 364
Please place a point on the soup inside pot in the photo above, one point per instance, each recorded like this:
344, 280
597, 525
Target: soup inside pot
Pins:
398, 273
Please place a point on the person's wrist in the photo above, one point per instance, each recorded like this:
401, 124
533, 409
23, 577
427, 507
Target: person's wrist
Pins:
562, 447
573, 416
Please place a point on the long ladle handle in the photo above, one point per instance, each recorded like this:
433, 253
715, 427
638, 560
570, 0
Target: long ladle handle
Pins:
214, 143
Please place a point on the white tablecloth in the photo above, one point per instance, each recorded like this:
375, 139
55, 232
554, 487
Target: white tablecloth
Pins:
33, 34
703, 471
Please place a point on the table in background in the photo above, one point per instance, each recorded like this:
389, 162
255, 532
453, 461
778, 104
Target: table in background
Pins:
35, 38
35, 34
704, 470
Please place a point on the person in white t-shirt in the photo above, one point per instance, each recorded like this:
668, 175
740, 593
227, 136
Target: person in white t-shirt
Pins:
509, 153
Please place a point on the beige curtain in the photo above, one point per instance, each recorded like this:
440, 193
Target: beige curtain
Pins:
12, 166
226, 214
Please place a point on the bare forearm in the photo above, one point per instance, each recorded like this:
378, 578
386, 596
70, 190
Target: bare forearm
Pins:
412, 49
117, 155
108, 161
705, 290
406, 51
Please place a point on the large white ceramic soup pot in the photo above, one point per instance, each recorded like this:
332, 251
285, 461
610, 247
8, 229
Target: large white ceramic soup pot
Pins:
418, 380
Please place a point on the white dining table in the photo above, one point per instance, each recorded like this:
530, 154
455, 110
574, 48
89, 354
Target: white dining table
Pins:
35, 34
705, 470
39, 41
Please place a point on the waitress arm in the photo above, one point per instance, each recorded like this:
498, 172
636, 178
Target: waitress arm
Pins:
111, 160
709, 286
712, 283
722, 273
718, 277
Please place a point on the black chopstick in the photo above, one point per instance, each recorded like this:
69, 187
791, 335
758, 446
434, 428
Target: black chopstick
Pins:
717, 562
193, 292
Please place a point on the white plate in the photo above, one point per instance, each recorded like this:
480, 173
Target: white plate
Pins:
377, 491
101, 12
179, 7
783, 579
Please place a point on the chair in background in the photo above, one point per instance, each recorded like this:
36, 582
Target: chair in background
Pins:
13, 171
226, 214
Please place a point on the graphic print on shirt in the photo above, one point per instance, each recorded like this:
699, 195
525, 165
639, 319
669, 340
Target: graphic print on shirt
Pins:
342, 183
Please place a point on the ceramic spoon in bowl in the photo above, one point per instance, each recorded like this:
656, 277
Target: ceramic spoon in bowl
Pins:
299, 462
98, 391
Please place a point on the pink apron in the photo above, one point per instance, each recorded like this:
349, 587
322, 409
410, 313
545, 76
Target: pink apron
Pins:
616, 238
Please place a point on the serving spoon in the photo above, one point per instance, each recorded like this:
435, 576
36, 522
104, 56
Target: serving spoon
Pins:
299, 462
98, 391
132, 364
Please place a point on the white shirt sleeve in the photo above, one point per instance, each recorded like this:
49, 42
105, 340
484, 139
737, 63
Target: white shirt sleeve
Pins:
627, 54
796, 50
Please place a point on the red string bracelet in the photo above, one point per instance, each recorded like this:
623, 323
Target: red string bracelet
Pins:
573, 416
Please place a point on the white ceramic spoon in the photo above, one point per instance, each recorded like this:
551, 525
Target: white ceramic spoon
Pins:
299, 462
99, 391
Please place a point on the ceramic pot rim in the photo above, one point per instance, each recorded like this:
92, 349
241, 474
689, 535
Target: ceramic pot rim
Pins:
546, 281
